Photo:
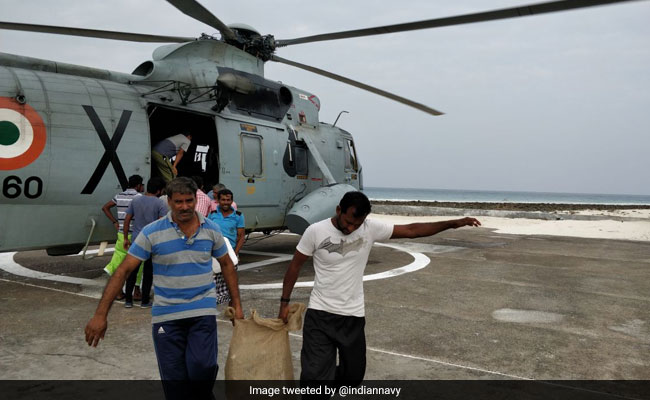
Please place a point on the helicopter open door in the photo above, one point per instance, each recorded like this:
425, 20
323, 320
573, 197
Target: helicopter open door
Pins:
202, 157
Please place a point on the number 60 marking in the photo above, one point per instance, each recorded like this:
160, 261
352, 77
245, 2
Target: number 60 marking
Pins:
11, 187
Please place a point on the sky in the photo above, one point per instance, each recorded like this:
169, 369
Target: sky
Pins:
551, 103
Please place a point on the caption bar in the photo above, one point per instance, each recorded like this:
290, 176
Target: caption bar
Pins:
331, 391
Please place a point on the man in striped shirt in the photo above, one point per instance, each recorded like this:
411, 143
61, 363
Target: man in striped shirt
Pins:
184, 329
122, 201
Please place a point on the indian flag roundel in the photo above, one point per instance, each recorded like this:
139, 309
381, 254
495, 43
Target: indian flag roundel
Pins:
22, 134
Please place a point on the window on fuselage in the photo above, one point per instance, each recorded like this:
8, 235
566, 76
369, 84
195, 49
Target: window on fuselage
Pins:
251, 146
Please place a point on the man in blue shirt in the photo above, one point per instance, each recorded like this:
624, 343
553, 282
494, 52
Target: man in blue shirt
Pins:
231, 222
184, 311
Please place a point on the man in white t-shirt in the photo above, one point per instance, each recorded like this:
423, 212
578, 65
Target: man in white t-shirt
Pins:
335, 319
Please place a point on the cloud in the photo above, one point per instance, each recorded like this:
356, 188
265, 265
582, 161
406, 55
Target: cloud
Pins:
528, 101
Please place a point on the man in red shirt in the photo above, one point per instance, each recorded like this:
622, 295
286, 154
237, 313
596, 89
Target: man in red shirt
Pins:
202, 200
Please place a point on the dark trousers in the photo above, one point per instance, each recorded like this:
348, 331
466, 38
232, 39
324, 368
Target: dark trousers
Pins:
147, 280
323, 334
186, 350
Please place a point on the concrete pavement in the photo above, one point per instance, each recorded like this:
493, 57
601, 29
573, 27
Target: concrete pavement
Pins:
487, 306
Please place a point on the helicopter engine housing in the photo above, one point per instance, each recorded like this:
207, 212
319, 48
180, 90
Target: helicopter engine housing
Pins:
316, 206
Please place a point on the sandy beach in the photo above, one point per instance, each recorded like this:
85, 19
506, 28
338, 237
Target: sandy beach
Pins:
541, 207
620, 222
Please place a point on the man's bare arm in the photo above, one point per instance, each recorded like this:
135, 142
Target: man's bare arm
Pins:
230, 276
179, 155
107, 211
96, 327
240, 240
290, 278
430, 228
127, 223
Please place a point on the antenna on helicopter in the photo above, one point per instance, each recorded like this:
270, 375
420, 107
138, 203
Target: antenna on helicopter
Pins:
337, 118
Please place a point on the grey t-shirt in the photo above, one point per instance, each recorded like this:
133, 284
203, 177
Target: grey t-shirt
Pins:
144, 210
169, 147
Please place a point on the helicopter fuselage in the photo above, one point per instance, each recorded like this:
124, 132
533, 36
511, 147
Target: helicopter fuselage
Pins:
72, 135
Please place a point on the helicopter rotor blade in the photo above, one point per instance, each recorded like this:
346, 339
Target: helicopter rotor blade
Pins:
521, 11
94, 33
195, 10
359, 85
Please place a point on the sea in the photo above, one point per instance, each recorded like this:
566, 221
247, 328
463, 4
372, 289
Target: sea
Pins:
487, 196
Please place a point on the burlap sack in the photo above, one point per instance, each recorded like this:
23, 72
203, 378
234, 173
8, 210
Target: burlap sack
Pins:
259, 347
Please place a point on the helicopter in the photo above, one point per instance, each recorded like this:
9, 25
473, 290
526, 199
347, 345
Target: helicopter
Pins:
91, 128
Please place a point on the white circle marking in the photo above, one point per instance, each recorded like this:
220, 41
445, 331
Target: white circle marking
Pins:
420, 261
26, 134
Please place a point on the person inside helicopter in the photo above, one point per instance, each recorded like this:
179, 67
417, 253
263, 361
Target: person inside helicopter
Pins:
164, 150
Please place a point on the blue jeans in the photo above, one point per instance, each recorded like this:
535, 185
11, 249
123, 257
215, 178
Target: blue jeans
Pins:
186, 350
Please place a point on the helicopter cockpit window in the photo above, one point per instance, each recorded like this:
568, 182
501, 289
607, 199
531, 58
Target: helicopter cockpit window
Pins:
251, 146
301, 164
350, 156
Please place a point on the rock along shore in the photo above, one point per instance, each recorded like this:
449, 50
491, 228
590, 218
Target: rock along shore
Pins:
546, 211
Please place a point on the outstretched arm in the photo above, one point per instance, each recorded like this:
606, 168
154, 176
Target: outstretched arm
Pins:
290, 278
430, 228
96, 327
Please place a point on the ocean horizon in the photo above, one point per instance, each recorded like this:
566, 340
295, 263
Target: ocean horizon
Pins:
490, 196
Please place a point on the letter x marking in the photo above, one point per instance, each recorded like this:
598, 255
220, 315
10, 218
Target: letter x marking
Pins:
110, 146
